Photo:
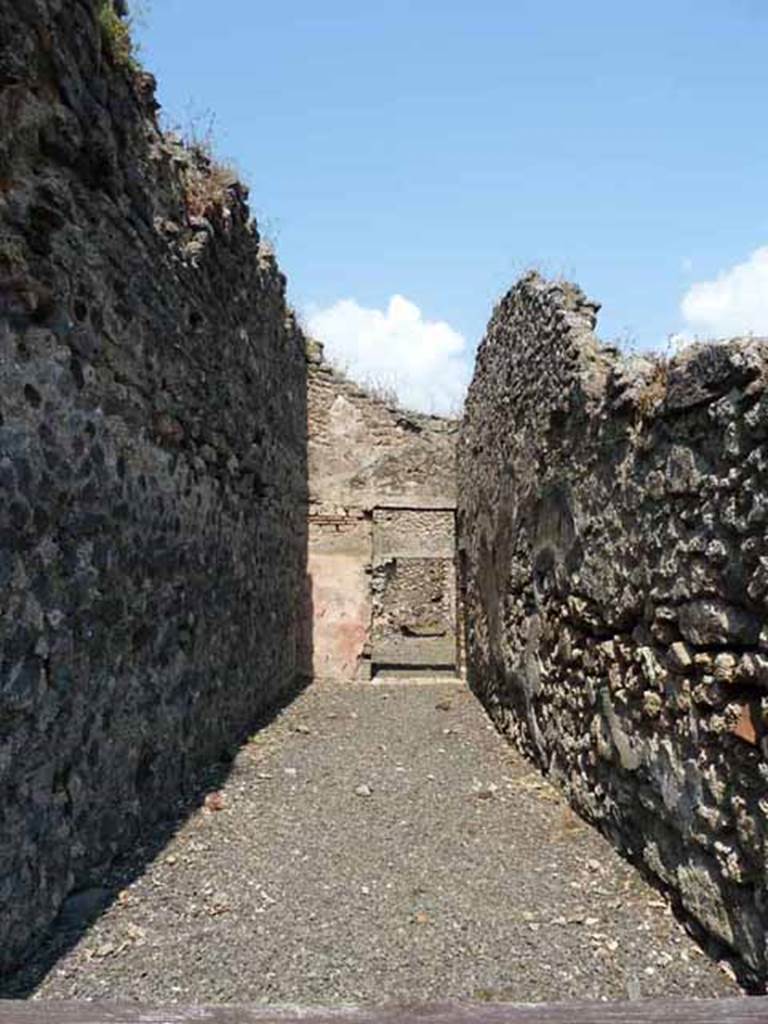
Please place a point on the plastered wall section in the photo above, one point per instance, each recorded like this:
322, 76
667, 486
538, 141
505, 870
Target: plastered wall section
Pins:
364, 455
339, 568
612, 532
152, 465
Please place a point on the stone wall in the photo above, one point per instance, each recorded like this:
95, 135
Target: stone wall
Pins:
612, 531
381, 531
152, 463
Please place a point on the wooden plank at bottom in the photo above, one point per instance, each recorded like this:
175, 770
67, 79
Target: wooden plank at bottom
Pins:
747, 1010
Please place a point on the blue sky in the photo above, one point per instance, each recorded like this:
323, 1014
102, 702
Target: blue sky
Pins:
435, 150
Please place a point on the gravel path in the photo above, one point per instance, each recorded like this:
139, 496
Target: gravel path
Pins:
377, 843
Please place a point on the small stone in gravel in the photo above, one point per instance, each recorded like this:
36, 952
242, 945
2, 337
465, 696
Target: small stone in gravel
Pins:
485, 792
303, 729
364, 790
215, 801
444, 705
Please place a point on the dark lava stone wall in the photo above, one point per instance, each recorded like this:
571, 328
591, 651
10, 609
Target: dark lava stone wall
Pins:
612, 530
152, 463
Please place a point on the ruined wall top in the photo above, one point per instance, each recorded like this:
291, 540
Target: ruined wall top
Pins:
541, 358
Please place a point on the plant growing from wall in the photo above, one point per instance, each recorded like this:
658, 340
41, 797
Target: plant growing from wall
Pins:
208, 185
654, 390
208, 180
115, 25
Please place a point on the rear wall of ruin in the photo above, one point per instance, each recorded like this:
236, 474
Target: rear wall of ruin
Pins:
381, 559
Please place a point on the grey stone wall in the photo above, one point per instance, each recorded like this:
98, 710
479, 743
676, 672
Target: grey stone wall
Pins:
152, 463
612, 530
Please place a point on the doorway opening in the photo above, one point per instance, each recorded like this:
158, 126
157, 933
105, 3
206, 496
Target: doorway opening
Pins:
414, 594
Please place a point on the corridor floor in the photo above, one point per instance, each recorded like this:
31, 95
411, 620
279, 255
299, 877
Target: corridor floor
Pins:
378, 843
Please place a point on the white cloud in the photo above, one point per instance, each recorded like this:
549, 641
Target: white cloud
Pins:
425, 361
735, 303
